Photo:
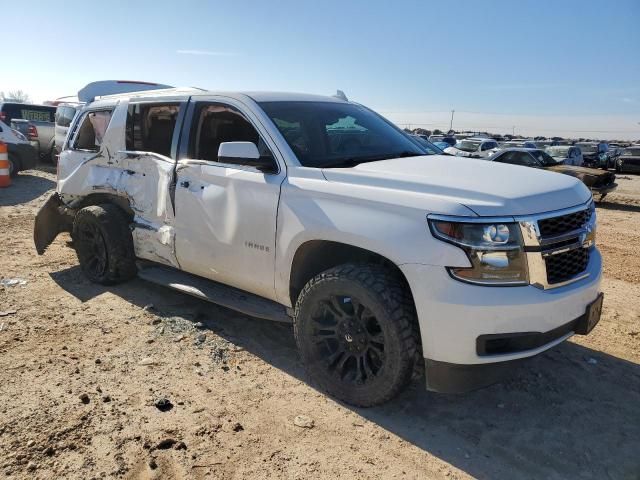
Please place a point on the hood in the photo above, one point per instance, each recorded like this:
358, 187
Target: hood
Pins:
487, 188
587, 175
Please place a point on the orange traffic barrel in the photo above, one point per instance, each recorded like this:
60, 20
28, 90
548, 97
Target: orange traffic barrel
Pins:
5, 177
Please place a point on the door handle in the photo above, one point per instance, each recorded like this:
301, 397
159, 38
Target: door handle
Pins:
185, 184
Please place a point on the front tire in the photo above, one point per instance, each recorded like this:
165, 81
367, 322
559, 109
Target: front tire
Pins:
104, 245
355, 329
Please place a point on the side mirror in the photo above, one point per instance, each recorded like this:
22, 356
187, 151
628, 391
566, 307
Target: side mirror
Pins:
243, 153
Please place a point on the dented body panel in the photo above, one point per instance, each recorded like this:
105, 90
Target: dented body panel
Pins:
142, 179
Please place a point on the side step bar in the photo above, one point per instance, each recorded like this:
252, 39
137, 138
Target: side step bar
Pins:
215, 292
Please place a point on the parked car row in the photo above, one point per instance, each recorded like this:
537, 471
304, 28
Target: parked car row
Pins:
600, 182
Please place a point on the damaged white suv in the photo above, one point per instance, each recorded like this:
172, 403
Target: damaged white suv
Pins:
317, 211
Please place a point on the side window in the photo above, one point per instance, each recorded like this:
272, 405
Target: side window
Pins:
505, 157
217, 123
150, 127
91, 129
487, 146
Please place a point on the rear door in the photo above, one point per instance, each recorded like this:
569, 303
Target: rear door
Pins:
225, 213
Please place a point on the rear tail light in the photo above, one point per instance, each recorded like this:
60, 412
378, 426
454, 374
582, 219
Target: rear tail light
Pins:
32, 132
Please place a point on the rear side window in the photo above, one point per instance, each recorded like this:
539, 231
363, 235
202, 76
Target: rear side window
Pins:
517, 158
150, 127
91, 130
37, 113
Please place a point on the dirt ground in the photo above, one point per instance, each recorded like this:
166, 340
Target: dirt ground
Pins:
140, 382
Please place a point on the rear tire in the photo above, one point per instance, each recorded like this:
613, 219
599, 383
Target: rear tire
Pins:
104, 244
355, 329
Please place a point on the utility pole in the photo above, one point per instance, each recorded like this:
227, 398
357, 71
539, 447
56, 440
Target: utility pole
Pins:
451, 123
513, 131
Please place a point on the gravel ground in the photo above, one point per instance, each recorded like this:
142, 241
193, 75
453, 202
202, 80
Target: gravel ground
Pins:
136, 381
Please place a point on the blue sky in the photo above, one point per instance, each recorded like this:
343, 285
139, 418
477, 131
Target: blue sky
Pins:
536, 65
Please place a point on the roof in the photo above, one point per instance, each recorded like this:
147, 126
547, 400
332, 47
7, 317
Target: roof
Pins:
291, 97
257, 96
152, 93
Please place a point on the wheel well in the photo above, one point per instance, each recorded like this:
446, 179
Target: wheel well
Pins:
316, 256
100, 198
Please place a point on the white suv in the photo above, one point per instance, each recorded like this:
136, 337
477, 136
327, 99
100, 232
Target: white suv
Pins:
318, 211
474, 147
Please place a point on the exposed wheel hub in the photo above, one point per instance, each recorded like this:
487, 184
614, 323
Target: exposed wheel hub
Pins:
354, 336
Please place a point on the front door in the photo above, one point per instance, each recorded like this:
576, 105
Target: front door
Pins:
225, 217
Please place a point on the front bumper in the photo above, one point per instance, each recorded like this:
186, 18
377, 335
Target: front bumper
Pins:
52, 219
604, 190
453, 315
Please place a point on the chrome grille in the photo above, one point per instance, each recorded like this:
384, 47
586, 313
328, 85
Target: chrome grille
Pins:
558, 245
551, 227
566, 265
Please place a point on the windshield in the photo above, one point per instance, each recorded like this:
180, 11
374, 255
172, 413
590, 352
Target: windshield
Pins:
332, 134
631, 152
543, 157
587, 148
37, 113
430, 147
468, 146
558, 152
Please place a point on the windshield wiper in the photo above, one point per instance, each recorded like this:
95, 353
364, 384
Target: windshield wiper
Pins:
353, 161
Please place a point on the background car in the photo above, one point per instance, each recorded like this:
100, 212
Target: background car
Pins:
566, 154
594, 154
474, 147
448, 139
519, 144
599, 182
629, 160
40, 127
431, 147
442, 146
22, 155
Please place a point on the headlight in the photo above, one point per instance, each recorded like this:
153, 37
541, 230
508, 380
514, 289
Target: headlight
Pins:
494, 250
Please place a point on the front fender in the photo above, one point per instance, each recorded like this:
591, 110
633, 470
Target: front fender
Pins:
398, 233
